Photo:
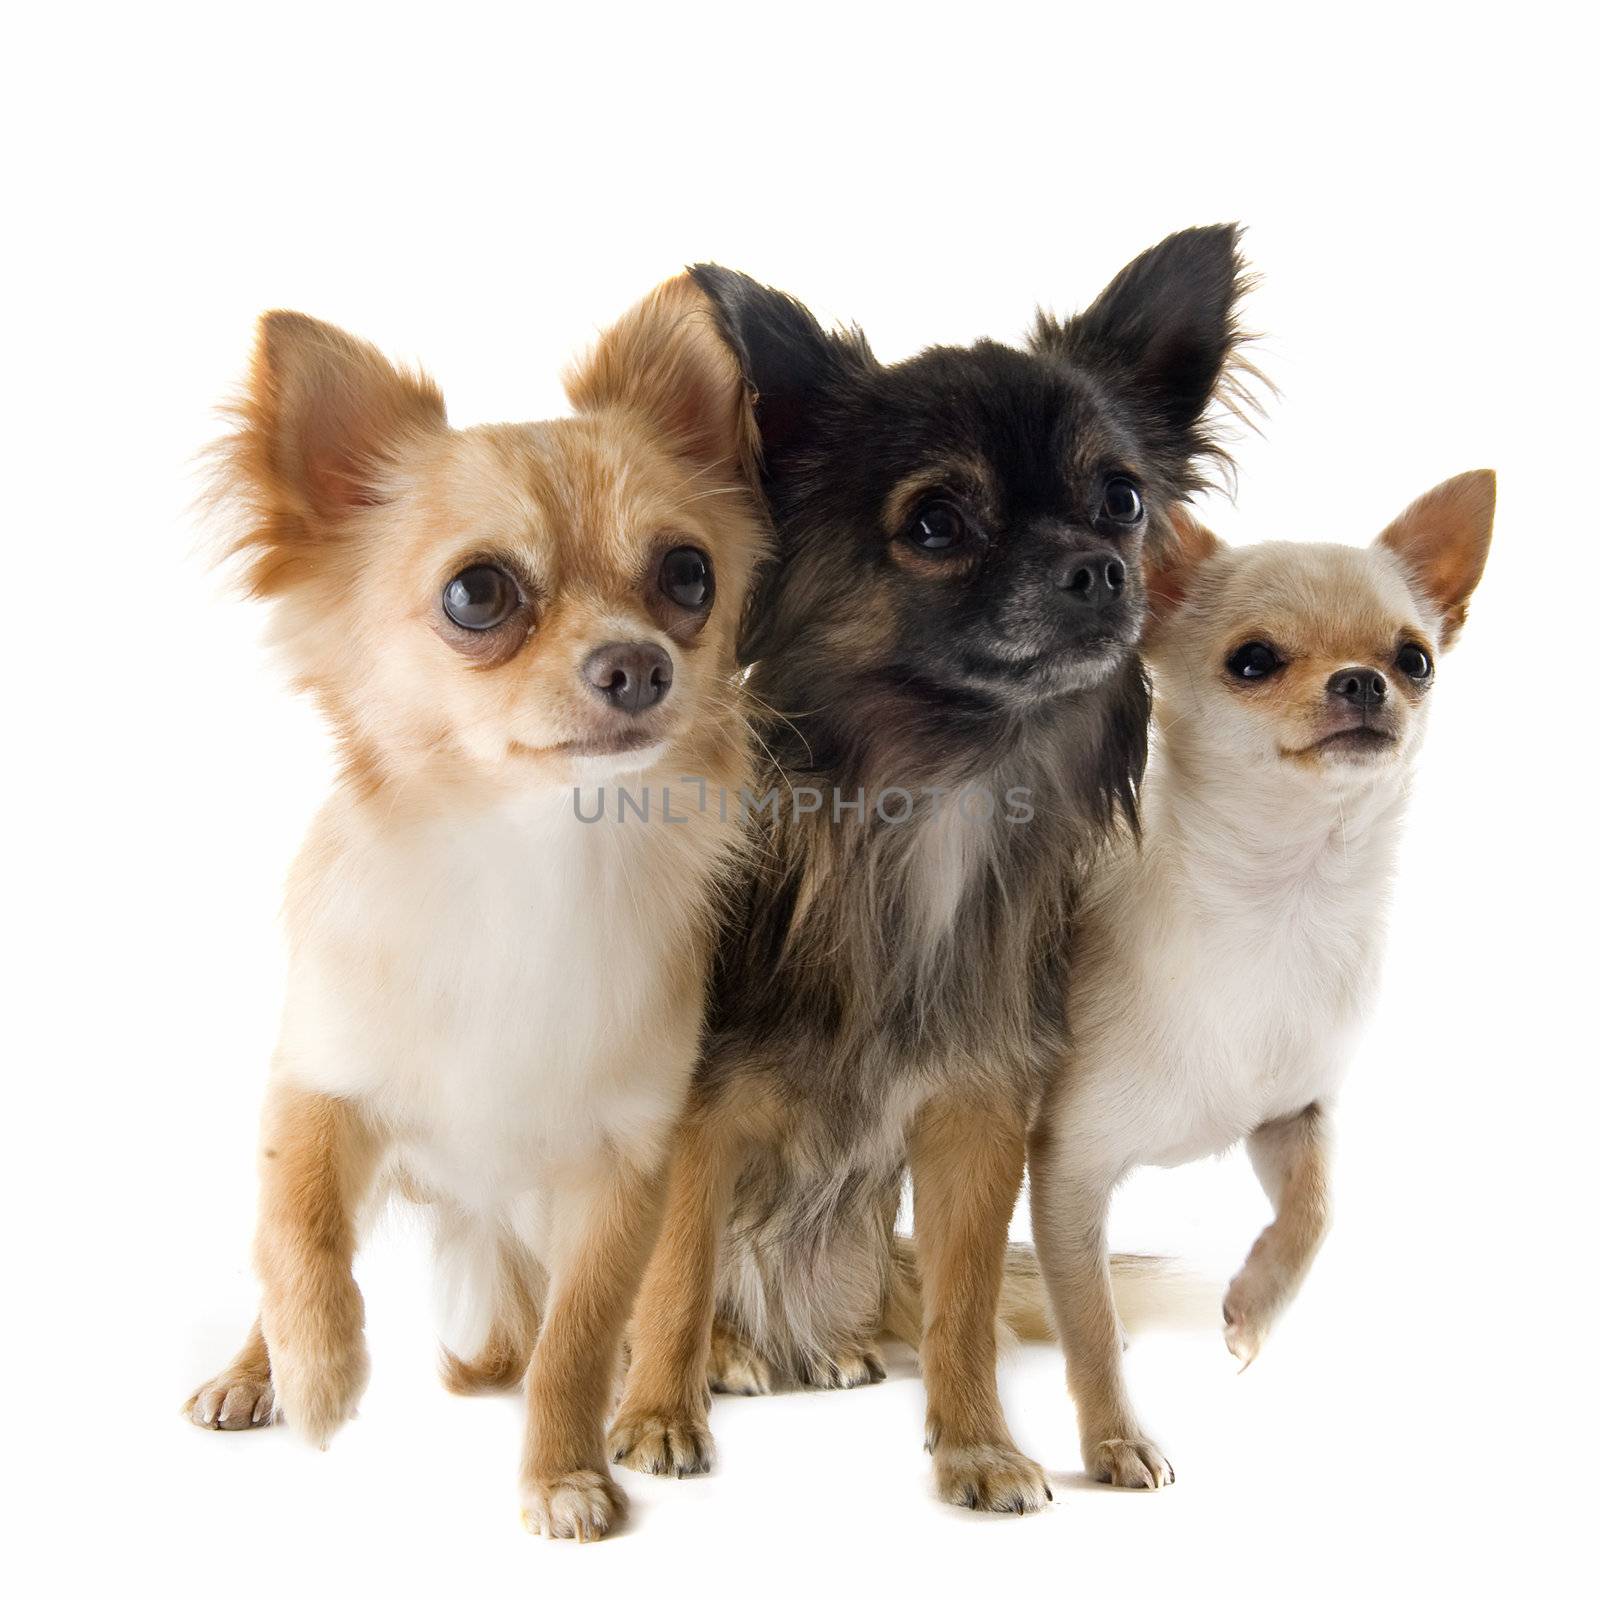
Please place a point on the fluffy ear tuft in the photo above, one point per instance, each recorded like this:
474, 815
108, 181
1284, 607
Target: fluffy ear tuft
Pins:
1442, 541
1170, 564
786, 355
1164, 333
666, 361
323, 420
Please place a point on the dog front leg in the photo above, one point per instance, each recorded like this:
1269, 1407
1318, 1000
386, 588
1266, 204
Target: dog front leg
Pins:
661, 1426
318, 1158
1291, 1158
603, 1224
966, 1171
1070, 1200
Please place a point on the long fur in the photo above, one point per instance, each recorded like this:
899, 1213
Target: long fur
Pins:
871, 968
954, 603
494, 1005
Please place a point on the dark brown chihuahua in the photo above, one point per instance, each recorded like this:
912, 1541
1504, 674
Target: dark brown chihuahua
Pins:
956, 720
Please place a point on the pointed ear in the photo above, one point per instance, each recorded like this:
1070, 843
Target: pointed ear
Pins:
323, 420
666, 361
1170, 564
1442, 541
1163, 330
333, 412
786, 356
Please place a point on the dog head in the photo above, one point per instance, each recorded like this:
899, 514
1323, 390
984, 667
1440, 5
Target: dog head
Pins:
1314, 659
544, 603
965, 528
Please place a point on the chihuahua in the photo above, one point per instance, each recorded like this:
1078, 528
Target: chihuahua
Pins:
494, 1000
954, 715
1224, 965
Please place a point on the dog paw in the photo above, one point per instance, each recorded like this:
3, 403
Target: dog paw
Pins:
665, 1446
316, 1398
232, 1401
737, 1367
1244, 1342
990, 1478
1128, 1463
1248, 1311
582, 1505
848, 1368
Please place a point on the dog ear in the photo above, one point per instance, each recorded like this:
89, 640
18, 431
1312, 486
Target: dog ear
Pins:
323, 422
666, 361
1162, 331
1442, 541
787, 357
1170, 564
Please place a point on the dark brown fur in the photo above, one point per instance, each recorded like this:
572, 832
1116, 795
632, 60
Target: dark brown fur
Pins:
893, 992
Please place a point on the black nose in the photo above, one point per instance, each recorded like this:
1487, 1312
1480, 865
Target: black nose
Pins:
629, 677
1361, 686
1092, 579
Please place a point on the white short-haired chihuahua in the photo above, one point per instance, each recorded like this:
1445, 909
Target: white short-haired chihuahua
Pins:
1226, 961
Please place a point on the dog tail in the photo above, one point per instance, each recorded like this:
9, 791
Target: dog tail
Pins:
1150, 1291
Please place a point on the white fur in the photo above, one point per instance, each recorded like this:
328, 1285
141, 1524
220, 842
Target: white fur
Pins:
1225, 965
503, 991
1225, 968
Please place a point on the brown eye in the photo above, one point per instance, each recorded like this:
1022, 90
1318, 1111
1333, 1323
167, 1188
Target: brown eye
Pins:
1121, 503
686, 578
480, 598
1254, 661
1415, 662
939, 528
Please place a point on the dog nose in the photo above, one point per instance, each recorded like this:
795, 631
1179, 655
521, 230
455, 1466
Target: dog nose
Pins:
629, 677
1092, 579
1361, 686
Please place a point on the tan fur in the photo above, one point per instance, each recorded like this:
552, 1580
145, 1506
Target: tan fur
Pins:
427, 1048
966, 1163
574, 1368
661, 1425
1291, 1159
318, 1158
735, 1366
501, 1362
665, 360
579, 504
1023, 1312
322, 423
1442, 538
1170, 563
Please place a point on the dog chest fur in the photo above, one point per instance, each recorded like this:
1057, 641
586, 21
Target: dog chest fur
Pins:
1225, 967
507, 991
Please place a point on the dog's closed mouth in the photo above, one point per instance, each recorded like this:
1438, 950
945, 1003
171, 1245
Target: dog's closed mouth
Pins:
620, 744
1358, 738
1046, 671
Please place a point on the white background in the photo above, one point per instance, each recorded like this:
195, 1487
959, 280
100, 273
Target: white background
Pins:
482, 193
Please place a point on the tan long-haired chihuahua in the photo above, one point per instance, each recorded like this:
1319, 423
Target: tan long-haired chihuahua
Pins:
494, 1000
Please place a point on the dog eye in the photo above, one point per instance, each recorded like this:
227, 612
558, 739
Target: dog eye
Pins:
1121, 503
480, 598
1254, 661
685, 578
938, 528
1414, 661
